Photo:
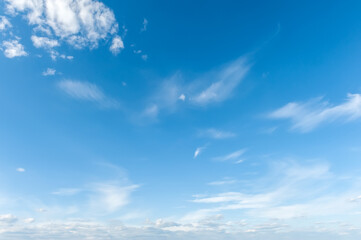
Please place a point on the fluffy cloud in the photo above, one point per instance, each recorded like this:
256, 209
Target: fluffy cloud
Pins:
117, 45
49, 72
13, 48
307, 116
80, 23
44, 42
4, 23
211, 229
111, 196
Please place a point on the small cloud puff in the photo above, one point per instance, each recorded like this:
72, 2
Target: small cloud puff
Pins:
49, 72
117, 45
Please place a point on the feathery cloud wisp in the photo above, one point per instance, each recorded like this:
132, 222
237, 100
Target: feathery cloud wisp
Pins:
225, 81
4, 23
198, 151
145, 25
81, 90
216, 134
232, 156
307, 116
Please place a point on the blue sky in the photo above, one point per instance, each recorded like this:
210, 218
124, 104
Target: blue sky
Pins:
180, 120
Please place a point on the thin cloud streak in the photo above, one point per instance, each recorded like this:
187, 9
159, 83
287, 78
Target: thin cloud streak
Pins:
224, 83
216, 134
231, 156
86, 91
305, 117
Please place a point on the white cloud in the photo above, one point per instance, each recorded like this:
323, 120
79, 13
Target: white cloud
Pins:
13, 48
8, 218
292, 192
44, 42
182, 97
29, 220
20, 170
198, 151
80, 23
49, 72
144, 57
307, 116
111, 197
225, 81
4, 23
81, 90
232, 156
356, 199
151, 111
145, 25
117, 45
226, 181
166, 98
67, 191
216, 134
54, 55
215, 86
212, 228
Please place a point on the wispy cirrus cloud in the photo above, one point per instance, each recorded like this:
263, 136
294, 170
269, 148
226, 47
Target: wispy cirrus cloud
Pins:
293, 191
216, 133
111, 196
225, 181
224, 81
4, 23
13, 48
307, 116
234, 156
81, 90
87, 92
67, 191
145, 25
198, 151
211, 87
